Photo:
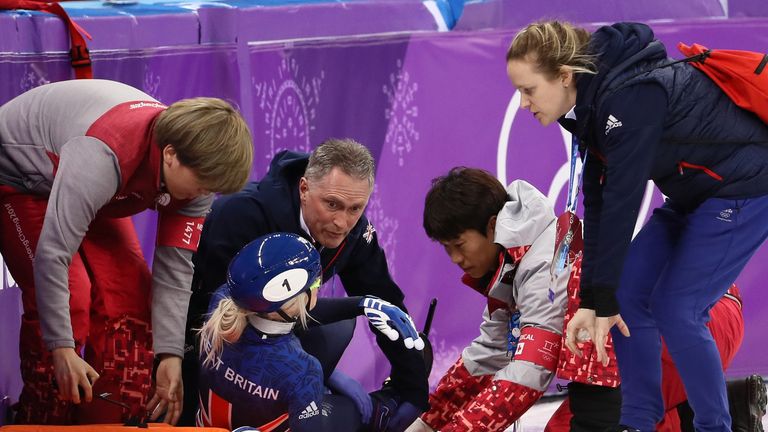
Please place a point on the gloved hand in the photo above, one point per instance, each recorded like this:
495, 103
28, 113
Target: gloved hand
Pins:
343, 384
391, 321
406, 414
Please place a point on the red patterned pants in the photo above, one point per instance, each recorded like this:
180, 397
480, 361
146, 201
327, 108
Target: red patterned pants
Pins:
463, 402
109, 285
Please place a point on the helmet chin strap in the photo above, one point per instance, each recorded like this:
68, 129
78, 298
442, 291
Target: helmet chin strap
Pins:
291, 319
270, 327
285, 316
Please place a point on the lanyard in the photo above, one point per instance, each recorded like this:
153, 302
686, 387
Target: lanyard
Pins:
513, 333
573, 183
564, 239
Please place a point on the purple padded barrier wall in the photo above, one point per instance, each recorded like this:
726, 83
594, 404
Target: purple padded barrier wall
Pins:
747, 8
505, 14
112, 27
421, 103
317, 20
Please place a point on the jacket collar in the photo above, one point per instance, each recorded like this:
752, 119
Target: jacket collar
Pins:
617, 48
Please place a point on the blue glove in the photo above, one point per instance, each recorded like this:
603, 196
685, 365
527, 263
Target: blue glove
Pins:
406, 414
341, 383
391, 321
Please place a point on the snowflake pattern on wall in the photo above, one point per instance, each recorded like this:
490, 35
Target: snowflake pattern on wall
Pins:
385, 226
289, 104
401, 114
151, 82
32, 77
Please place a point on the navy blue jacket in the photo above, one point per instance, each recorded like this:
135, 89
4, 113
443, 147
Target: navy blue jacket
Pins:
639, 121
272, 205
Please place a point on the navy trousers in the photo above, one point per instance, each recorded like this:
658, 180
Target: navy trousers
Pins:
677, 267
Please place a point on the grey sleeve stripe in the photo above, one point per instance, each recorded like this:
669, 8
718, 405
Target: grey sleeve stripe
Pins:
171, 289
87, 178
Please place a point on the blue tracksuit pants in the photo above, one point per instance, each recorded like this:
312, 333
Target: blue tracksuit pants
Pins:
677, 267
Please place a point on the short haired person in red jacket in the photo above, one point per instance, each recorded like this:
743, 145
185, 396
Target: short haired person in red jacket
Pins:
77, 158
504, 241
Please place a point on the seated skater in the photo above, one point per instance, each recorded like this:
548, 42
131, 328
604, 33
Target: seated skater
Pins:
254, 372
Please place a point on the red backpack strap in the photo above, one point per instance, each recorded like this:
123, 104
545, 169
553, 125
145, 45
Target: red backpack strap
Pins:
79, 55
761, 66
740, 74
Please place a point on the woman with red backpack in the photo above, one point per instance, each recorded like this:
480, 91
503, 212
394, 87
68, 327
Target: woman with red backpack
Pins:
637, 118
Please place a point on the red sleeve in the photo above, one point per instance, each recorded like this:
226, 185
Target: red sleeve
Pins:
456, 390
177, 230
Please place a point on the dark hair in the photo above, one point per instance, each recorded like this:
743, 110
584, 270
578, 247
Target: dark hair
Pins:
463, 199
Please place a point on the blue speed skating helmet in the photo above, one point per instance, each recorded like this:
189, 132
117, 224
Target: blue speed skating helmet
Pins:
271, 270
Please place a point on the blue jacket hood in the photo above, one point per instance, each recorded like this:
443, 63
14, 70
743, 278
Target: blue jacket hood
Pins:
617, 48
618, 42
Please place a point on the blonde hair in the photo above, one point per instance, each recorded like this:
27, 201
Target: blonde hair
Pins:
348, 155
552, 45
228, 321
211, 138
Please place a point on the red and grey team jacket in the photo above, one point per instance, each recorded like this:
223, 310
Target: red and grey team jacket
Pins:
88, 145
522, 324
